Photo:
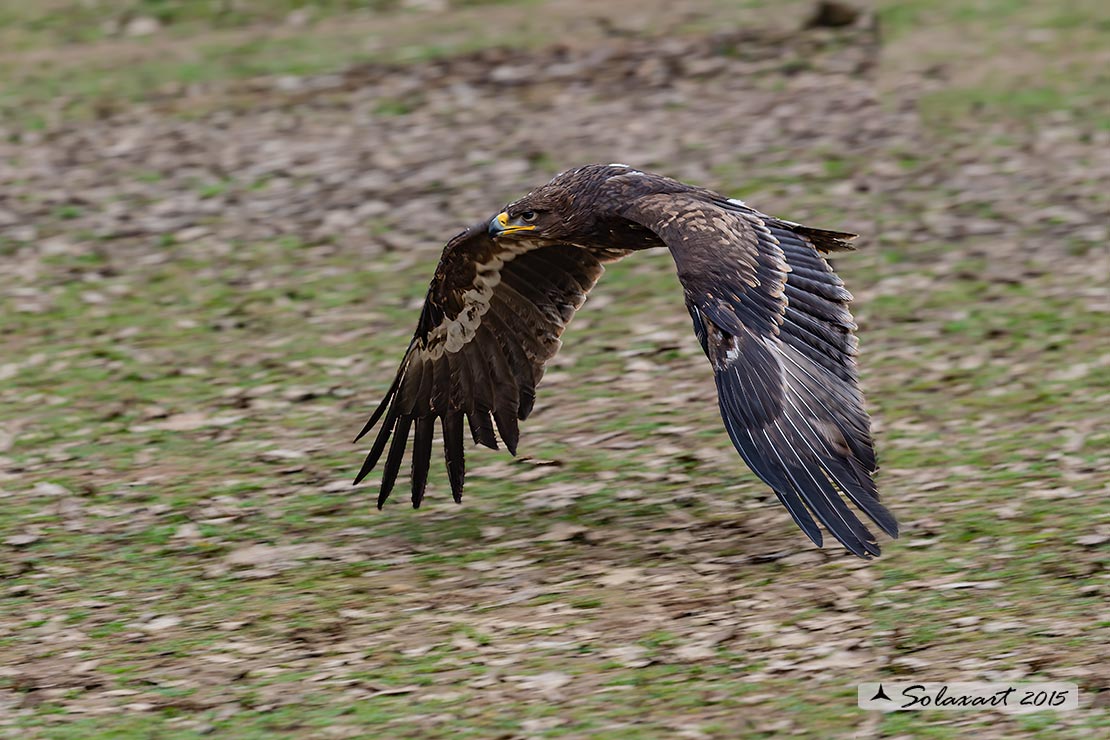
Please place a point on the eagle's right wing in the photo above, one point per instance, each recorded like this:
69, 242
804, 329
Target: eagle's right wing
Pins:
773, 319
491, 320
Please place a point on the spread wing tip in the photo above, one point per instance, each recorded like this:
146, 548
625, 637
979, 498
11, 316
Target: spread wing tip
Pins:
813, 479
387, 401
376, 451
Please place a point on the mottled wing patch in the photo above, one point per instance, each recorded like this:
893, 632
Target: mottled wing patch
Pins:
474, 299
730, 265
492, 319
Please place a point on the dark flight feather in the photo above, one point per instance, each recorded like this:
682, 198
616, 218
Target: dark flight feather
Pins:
421, 457
393, 458
454, 453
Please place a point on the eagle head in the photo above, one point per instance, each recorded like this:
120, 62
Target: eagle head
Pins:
515, 221
543, 214
565, 209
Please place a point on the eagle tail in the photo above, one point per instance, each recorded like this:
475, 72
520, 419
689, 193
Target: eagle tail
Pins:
823, 239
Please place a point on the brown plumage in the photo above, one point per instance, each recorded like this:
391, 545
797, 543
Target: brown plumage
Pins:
771, 316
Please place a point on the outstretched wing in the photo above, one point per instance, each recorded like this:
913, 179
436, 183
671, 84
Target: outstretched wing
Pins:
492, 318
773, 320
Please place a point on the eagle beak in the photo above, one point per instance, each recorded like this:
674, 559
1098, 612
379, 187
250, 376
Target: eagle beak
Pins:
500, 225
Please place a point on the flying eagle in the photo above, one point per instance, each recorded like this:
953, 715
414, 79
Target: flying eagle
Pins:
770, 313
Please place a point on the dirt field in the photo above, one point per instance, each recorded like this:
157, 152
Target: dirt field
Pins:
217, 227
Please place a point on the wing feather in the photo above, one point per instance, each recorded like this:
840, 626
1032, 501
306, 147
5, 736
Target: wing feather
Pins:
384, 404
411, 385
393, 459
505, 324
421, 456
491, 320
453, 452
481, 428
773, 320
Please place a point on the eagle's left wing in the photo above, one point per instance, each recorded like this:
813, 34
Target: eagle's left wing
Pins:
773, 320
492, 318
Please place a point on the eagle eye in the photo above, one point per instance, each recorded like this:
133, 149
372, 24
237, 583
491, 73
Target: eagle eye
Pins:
528, 216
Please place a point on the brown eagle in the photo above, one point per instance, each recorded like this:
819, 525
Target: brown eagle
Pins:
767, 308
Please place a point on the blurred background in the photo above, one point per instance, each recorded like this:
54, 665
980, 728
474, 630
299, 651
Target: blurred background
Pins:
217, 223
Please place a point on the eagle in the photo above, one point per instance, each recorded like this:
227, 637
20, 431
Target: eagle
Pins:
771, 316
